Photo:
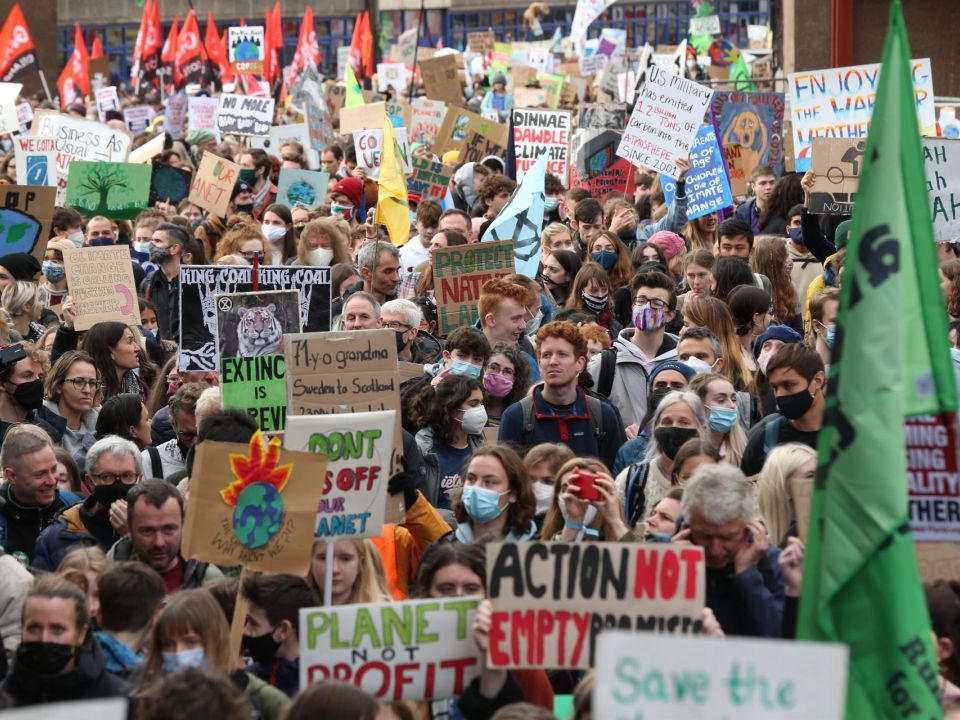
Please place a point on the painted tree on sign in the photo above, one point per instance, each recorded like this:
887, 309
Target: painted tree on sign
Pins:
101, 180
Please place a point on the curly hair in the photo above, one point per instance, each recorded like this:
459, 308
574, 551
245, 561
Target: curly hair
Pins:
237, 235
434, 407
327, 228
565, 331
769, 257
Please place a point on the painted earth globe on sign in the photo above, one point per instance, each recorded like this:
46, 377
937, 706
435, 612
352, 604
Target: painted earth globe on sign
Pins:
258, 515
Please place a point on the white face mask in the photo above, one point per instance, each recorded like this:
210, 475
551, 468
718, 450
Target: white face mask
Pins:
544, 494
274, 233
764, 359
588, 517
474, 420
320, 257
76, 237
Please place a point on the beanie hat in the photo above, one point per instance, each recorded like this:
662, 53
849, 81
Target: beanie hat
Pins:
450, 157
352, 188
200, 137
682, 368
499, 78
783, 333
671, 243
842, 234
21, 265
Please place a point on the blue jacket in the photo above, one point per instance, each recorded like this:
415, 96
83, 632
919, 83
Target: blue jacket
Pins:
748, 603
20, 526
76, 526
120, 659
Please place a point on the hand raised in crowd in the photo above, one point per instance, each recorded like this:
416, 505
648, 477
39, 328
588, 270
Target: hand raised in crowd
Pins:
711, 626
791, 565
684, 165
609, 507
807, 182
118, 516
576, 506
68, 311
632, 431
623, 219
359, 173
753, 548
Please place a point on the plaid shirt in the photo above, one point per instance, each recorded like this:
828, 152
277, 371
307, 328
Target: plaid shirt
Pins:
408, 285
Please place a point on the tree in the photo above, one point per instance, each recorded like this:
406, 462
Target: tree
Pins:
101, 180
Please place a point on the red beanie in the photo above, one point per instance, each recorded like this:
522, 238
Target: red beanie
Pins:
351, 187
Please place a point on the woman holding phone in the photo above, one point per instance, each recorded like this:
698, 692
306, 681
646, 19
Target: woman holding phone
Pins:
585, 505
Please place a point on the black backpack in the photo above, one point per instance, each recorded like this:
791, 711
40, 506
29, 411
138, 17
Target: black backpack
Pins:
596, 420
608, 370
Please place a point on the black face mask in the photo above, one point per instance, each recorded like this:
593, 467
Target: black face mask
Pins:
106, 495
401, 343
29, 394
261, 649
43, 658
245, 209
795, 406
669, 439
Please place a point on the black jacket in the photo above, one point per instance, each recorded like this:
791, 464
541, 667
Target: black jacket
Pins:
165, 294
194, 571
20, 526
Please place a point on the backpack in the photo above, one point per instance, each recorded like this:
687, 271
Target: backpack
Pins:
636, 473
608, 369
156, 466
596, 420
771, 434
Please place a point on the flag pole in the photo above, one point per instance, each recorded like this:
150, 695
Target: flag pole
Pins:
43, 81
416, 47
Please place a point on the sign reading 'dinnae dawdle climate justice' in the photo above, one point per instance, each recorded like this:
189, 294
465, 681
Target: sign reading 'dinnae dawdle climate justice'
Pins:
665, 121
941, 161
459, 273
413, 650
551, 601
933, 483
660, 677
360, 449
536, 132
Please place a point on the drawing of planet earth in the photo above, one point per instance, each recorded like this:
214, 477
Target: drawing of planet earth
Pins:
258, 515
302, 192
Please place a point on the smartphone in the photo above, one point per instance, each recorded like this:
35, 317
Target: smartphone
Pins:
586, 489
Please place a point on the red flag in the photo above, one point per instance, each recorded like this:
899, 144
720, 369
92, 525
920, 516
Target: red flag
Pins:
228, 75
361, 47
273, 45
74, 81
19, 55
366, 46
189, 56
216, 50
141, 40
96, 49
152, 42
169, 52
308, 50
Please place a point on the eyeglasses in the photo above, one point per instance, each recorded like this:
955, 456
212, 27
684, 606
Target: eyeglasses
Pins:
83, 383
249, 256
397, 326
654, 302
125, 477
186, 435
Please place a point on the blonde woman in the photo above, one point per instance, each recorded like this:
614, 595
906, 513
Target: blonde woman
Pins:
83, 566
244, 240
724, 431
321, 244
792, 461
571, 518
556, 236
20, 299
358, 575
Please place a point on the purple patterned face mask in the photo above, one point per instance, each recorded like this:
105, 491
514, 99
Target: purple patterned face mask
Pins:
647, 318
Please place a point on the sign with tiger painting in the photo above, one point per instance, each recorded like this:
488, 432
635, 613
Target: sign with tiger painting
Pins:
250, 330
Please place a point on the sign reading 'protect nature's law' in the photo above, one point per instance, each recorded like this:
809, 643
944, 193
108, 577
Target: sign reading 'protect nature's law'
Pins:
459, 273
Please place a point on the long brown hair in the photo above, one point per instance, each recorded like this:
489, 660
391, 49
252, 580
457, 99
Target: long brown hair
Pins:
589, 271
714, 315
769, 257
622, 270
553, 521
519, 513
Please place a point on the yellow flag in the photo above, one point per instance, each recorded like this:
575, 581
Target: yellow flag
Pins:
354, 97
393, 208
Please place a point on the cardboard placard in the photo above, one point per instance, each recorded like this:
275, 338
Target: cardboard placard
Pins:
458, 274
938, 561
9, 121
362, 117
527, 97
80, 140
522, 76
941, 163
665, 121
789, 157
26, 215
441, 79
837, 163
169, 183
202, 115
36, 159
109, 709
245, 49
360, 451
138, 118
393, 75
368, 145
99, 71
430, 180
707, 187
459, 123
319, 126
552, 600
200, 284
106, 99
24, 117
100, 281
244, 115
173, 115
602, 116
542, 132
411, 650
933, 484
213, 184
755, 122
481, 41
735, 171
595, 164
253, 505
426, 118
802, 680
302, 187
478, 146
709, 25
118, 191
250, 330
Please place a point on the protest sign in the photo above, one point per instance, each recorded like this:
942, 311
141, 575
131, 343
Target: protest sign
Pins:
411, 650
319, 126
458, 274
108, 709
149, 150
789, 156
941, 162
253, 505
359, 447
837, 163
24, 117
838, 103
542, 132
368, 145
36, 159
26, 215
100, 281
481, 41
115, 190
602, 116
80, 140
590, 65
250, 330
527, 97
665, 121
595, 165
9, 122
755, 122
213, 184
99, 71
430, 180
304, 187
245, 49
202, 115
749, 679
244, 115
457, 125
937, 561
106, 99
407, 47
552, 600
169, 183
392, 75
441, 79
478, 146
200, 284
735, 171
138, 118
173, 114
709, 25
707, 188
362, 117
426, 119
933, 484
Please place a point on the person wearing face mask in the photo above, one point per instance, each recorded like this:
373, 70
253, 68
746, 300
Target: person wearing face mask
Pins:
592, 294
543, 462
67, 224
554, 209
22, 396
572, 518
764, 348
192, 631
162, 286
720, 404
752, 312
346, 197
278, 229
797, 376
301, 216
271, 629
806, 267
54, 281
405, 319
255, 171
112, 468
506, 379
823, 322
451, 418
679, 417
57, 660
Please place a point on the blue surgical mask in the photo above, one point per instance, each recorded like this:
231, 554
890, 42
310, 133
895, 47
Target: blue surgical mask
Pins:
482, 505
605, 258
829, 277
831, 335
722, 419
550, 203
53, 271
466, 369
173, 661
796, 234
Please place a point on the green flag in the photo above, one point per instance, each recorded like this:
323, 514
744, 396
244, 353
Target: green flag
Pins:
354, 97
890, 361
740, 75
